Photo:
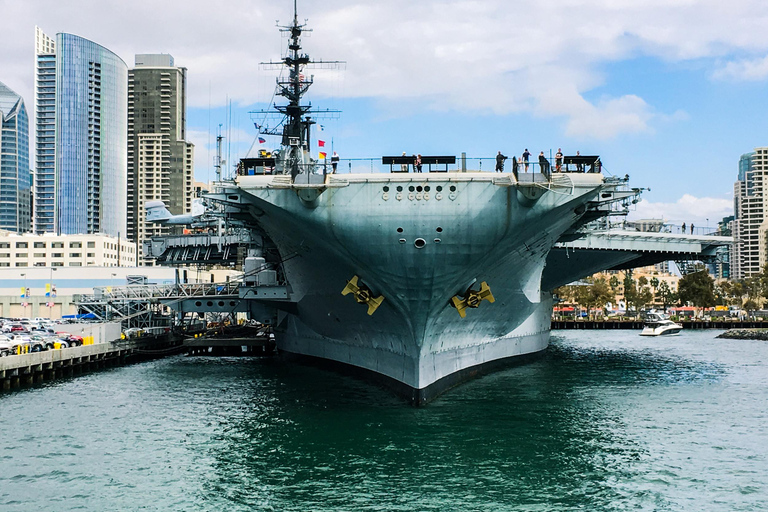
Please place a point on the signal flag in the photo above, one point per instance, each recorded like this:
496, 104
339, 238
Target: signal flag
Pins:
262, 140
321, 143
322, 155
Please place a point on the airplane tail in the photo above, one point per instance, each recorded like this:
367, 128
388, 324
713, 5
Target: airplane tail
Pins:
198, 208
156, 211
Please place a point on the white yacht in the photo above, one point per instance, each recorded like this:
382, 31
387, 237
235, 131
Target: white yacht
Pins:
657, 324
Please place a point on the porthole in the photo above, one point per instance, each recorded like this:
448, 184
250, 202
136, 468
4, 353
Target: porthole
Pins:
399, 188
198, 303
426, 189
419, 189
402, 240
419, 243
399, 230
210, 303
232, 303
221, 303
411, 188
453, 188
439, 188
439, 229
437, 240
386, 189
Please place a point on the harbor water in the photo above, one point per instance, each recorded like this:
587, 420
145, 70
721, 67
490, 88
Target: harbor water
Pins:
606, 420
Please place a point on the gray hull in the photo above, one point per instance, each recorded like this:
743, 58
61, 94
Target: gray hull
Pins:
418, 249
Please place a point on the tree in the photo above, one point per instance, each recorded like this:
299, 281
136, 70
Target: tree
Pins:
630, 292
666, 295
697, 288
655, 283
595, 295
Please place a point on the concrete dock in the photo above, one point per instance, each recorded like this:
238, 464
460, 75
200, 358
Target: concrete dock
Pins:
36, 367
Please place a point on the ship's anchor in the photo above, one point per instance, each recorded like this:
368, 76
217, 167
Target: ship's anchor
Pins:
363, 294
472, 299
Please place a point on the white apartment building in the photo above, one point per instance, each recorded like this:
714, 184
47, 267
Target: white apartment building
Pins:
50, 250
750, 225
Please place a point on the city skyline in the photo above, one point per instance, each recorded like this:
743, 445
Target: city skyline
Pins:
669, 94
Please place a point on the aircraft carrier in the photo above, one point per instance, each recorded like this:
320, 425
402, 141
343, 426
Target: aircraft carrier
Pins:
419, 279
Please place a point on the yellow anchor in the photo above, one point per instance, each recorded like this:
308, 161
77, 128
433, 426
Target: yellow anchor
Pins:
363, 294
473, 299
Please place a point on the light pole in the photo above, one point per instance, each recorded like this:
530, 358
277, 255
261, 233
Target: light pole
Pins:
50, 294
24, 295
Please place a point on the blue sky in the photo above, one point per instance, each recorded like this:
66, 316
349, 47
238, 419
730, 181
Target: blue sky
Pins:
671, 92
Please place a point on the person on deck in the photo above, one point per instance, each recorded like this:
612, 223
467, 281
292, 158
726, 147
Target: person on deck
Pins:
404, 166
683, 228
417, 163
334, 161
526, 156
559, 160
543, 163
500, 162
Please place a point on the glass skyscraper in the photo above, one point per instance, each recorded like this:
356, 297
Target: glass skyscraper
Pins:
15, 183
81, 151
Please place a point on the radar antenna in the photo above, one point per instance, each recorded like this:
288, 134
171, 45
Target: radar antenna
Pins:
296, 119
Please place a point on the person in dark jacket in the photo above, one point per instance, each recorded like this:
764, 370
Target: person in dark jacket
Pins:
543, 163
500, 162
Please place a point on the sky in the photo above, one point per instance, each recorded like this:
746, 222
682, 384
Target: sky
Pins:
670, 92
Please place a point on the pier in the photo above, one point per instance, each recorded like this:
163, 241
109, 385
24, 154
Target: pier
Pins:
37, 367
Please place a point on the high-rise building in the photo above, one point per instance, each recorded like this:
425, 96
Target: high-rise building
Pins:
15, 176
750, 209
81, 137
160, 160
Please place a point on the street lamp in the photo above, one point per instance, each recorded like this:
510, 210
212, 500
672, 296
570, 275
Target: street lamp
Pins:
50, 293
24, 295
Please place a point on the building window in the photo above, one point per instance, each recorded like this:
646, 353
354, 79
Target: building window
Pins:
91, 245
21, 245
39, 255
22, 255
39, 245
75, 254
57, 245
91, 254
75, 245
21, 263
75, 264
40, 264
4, 264
57, 255
4, 255
5, 245
57, 264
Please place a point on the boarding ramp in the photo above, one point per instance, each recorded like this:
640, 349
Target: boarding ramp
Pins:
620, 250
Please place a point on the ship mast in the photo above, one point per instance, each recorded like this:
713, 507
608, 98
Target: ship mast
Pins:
297, 119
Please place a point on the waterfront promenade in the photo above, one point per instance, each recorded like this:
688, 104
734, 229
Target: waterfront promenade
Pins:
638, 324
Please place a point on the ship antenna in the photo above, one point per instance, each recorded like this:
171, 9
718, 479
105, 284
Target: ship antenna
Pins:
297, 120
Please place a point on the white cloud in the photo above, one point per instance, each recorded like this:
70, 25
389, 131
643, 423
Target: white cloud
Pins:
743, 70
486, 56
701, 211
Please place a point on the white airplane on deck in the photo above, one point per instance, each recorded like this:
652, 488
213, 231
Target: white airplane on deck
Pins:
158, 213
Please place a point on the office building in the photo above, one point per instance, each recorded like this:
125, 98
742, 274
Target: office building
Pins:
50, 250
160, 160
81, 137
750, 224
15, 176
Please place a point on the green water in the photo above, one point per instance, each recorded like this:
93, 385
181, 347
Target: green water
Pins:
605, 421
